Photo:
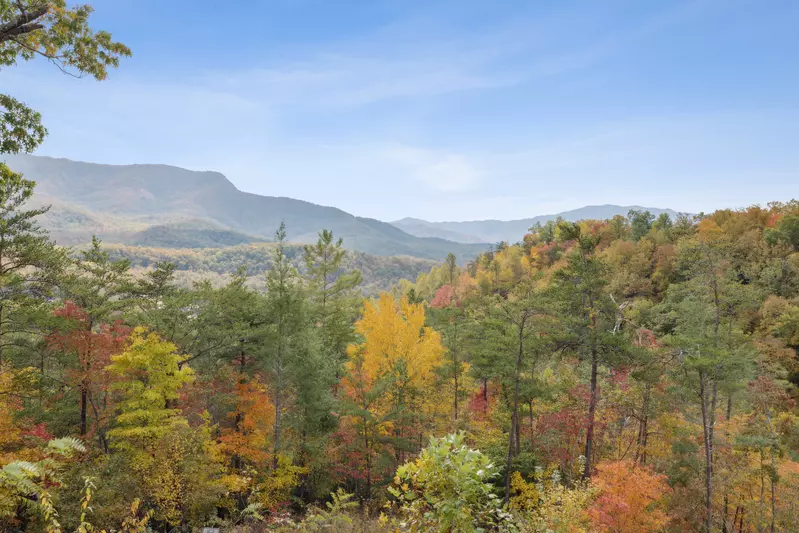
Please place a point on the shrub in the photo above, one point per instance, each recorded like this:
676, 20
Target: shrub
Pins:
447, 488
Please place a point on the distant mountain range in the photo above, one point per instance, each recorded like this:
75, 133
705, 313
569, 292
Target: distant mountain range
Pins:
512, 230
170, 207
166, 207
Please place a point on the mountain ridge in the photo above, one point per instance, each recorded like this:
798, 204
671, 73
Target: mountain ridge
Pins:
494, 230
118, 202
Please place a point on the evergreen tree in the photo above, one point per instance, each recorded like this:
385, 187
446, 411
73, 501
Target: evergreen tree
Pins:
30, 266
298, 377
714, 354
510, 329
334, 296
588, 317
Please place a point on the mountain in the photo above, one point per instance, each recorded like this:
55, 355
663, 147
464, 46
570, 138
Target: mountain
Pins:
167, 206
512, 230
423, 228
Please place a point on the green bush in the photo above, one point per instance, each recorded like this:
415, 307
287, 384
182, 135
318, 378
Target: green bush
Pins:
447, 488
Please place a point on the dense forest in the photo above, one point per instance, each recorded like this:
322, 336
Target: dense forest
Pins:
631, 374
635, 374
217, 265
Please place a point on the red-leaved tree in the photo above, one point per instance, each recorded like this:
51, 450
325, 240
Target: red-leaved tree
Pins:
91, 348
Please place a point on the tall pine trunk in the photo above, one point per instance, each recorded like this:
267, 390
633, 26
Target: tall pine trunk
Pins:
514, 424
589, 433
708, 406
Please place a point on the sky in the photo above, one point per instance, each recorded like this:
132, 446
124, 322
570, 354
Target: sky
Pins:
446, 110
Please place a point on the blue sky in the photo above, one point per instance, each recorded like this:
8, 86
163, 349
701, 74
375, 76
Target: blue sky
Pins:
446, 110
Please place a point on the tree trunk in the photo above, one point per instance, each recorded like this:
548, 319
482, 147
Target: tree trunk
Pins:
708, 444
368, 464
725, 510
277, 421
514, 424
532, 423
455, 369
83, 407
773, 490
589, 433
643, 427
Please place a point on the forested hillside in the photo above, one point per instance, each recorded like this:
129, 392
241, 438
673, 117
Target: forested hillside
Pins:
623, 375
220, 265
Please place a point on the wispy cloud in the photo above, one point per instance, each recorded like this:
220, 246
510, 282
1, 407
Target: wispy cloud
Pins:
434, 169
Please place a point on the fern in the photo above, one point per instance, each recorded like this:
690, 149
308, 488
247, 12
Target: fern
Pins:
66, 446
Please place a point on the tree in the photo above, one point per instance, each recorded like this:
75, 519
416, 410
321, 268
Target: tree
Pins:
99, 285
630, 499
511, 328
640, 223
447, 314
60, 34
30, 265
333, 293
92, 350
149, 375
588, 317
787, 231
289, 355
390, 381
714, 354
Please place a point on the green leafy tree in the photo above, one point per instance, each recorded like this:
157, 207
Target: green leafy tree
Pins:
59, 33
510, 327
448, 315
299, 378
640, 223
787, 231
100, 285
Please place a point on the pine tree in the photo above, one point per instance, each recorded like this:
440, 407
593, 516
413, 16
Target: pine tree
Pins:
588, 316
30, 266
713, 351
510, 328
298, 377
334, 295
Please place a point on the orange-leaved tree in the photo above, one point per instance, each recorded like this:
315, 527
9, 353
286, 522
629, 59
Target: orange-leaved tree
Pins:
630, 499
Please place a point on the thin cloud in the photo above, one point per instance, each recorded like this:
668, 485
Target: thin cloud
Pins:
434, 169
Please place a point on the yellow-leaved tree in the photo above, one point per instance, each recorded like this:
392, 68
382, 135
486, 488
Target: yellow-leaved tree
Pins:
391, 381
175, 467
150, 375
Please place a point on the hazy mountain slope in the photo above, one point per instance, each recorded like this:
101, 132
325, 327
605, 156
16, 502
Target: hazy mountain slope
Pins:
423, 228
513, 230
160, 204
